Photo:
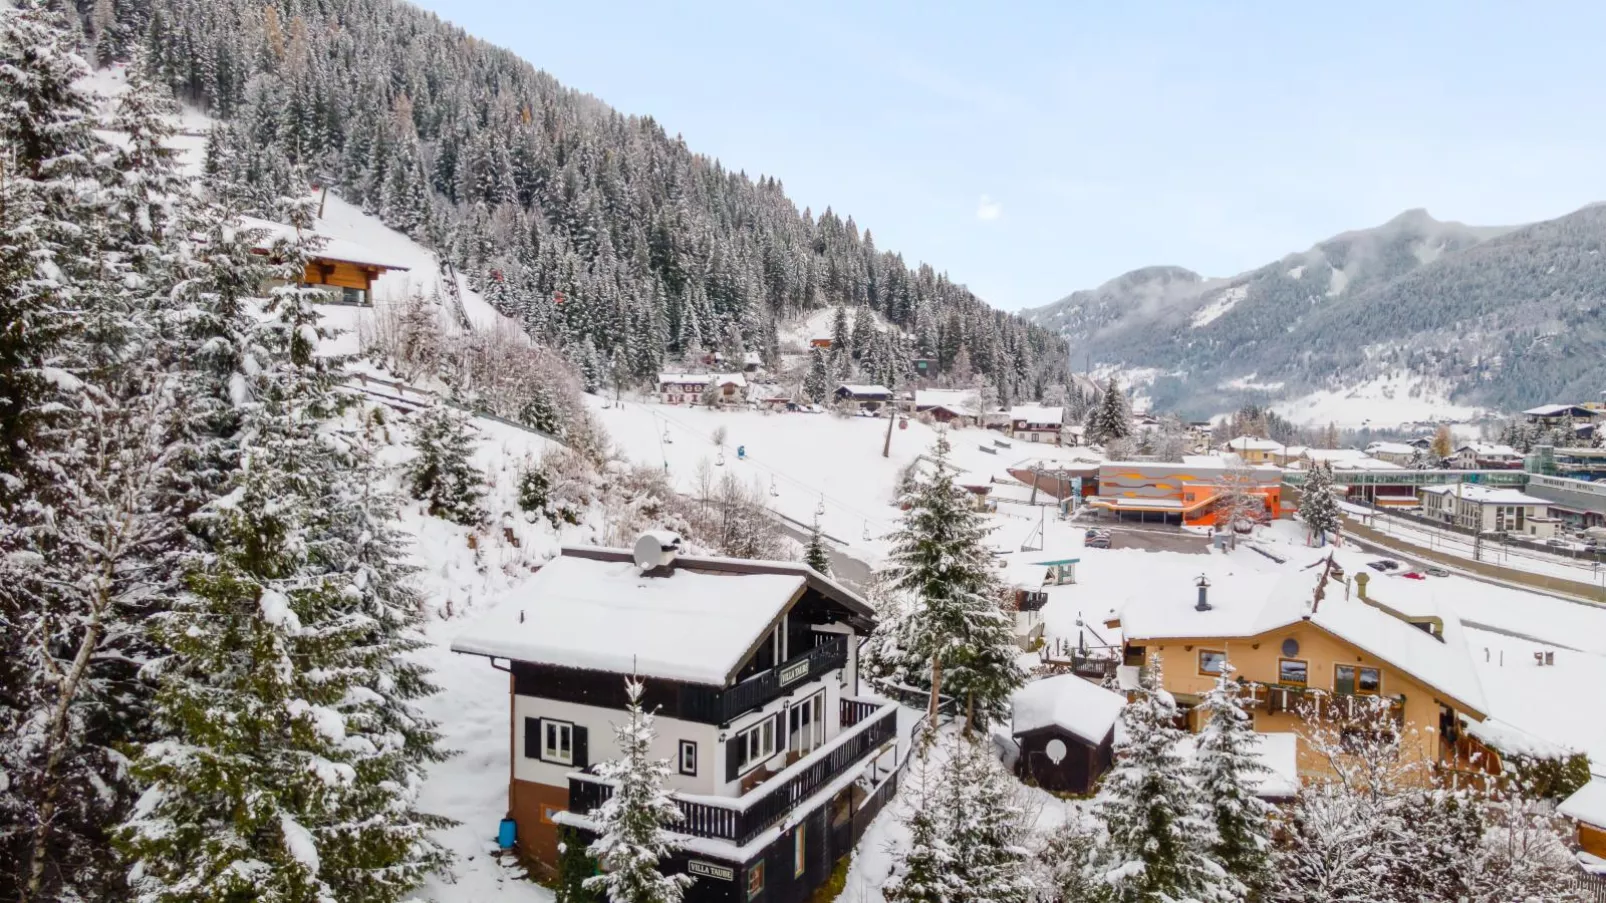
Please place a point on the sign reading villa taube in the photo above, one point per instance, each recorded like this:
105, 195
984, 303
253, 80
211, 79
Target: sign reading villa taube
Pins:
710, 870
795, 671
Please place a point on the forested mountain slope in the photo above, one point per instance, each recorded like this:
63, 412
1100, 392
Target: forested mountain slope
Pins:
1502, 317
600, 232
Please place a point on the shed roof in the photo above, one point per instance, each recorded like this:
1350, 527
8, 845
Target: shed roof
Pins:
858, 389
1080, 707
1033, 413
1588, 804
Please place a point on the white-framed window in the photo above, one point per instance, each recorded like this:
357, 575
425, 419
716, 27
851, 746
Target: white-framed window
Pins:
688, 757
806, 724
757, 744
557, 741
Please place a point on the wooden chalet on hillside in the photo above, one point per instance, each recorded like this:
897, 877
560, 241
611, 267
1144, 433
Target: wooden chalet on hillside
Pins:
344, 267
752, 667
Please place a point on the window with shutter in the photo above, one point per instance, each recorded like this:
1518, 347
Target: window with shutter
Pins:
532, 738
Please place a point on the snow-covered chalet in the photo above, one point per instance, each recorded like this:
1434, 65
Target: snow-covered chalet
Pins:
752, 668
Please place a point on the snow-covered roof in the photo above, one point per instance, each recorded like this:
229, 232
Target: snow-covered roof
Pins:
329, 248
961, 401
1032, 413
607, 616
860, 389
1509, 740
1295, 451
731, 379
1558, 410
1334, 455
1078, 706
1486, 495
1253, 443
1487, 450
701, 379
1391, 448
766, 392
1443, 664
751, 359
1588, 805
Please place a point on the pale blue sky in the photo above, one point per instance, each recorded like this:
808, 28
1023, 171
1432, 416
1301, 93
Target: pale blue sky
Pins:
1030, 149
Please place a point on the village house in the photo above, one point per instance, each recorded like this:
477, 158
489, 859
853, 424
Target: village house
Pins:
1305, 662
946, 405
863, 397
751, 362
1036, 423
1401, 453
1490, 509
1254, 450
1550, 415
752, 669
1486, 456
1064, 728
1587, 807
1029, 576
768, 397
345, 268
690, 388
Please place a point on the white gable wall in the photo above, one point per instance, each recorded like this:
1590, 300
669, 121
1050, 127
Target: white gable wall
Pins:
599, 723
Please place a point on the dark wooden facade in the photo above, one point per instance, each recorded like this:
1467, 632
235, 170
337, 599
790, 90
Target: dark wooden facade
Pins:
1078, 772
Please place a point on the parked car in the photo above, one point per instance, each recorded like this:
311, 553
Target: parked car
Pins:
1097, 539
1436, 572
1413, 575
1383, 565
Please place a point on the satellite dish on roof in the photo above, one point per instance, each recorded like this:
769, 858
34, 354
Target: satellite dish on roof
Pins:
655, 549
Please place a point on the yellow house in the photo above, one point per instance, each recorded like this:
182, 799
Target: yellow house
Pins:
1304, 660
1254, 450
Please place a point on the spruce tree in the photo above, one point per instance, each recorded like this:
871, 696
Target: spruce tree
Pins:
1227, 772
955, 623
1317, 507
443, 474
925, 872
1159, 839
984, 826
288, 758
815, 554
633, 824
1111, 420
817, 385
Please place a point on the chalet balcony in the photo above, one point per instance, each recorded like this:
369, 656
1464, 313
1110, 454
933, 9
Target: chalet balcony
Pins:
724, 706
739, 820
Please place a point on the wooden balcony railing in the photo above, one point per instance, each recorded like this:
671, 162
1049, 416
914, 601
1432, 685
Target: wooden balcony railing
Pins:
761, 688
741, 819
856, 710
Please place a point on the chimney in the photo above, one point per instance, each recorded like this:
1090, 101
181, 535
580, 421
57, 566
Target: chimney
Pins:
1203, 583
655, 551
1360, 583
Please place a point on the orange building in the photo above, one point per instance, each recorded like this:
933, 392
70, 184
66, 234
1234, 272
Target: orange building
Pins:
1186, 493
1305, 662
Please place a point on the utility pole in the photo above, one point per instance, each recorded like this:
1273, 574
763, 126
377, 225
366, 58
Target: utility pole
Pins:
892, 403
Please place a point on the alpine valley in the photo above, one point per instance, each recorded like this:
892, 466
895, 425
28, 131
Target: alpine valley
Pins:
1442, 314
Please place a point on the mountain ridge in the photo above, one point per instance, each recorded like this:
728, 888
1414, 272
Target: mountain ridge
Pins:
1494, 316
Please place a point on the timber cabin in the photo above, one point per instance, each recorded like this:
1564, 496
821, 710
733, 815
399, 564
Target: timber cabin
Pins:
1064, 727
345, 268
752, 668
1300, 661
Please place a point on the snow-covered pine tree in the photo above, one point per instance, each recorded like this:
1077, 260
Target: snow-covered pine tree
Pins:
1317, 507
1159, 838
1112, 419
841, 339
817, 384
955, 623
1068, 860
1226, 771
864, 332
288, 758
443, 474
924, 874
634, 823
984, 826
815, 554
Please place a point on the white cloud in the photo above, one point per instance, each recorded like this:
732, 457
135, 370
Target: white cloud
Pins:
988, 209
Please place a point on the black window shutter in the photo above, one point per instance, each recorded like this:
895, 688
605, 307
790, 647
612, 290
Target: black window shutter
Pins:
532, 738
581, 753
734, 749
780, 728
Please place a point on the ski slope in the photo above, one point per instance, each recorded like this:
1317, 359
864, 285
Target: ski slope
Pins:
814, 463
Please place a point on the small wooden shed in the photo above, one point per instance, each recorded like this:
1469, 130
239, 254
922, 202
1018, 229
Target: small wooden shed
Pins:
1065, 728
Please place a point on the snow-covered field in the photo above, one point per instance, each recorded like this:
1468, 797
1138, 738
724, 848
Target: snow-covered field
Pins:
1381, 403
809, 460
